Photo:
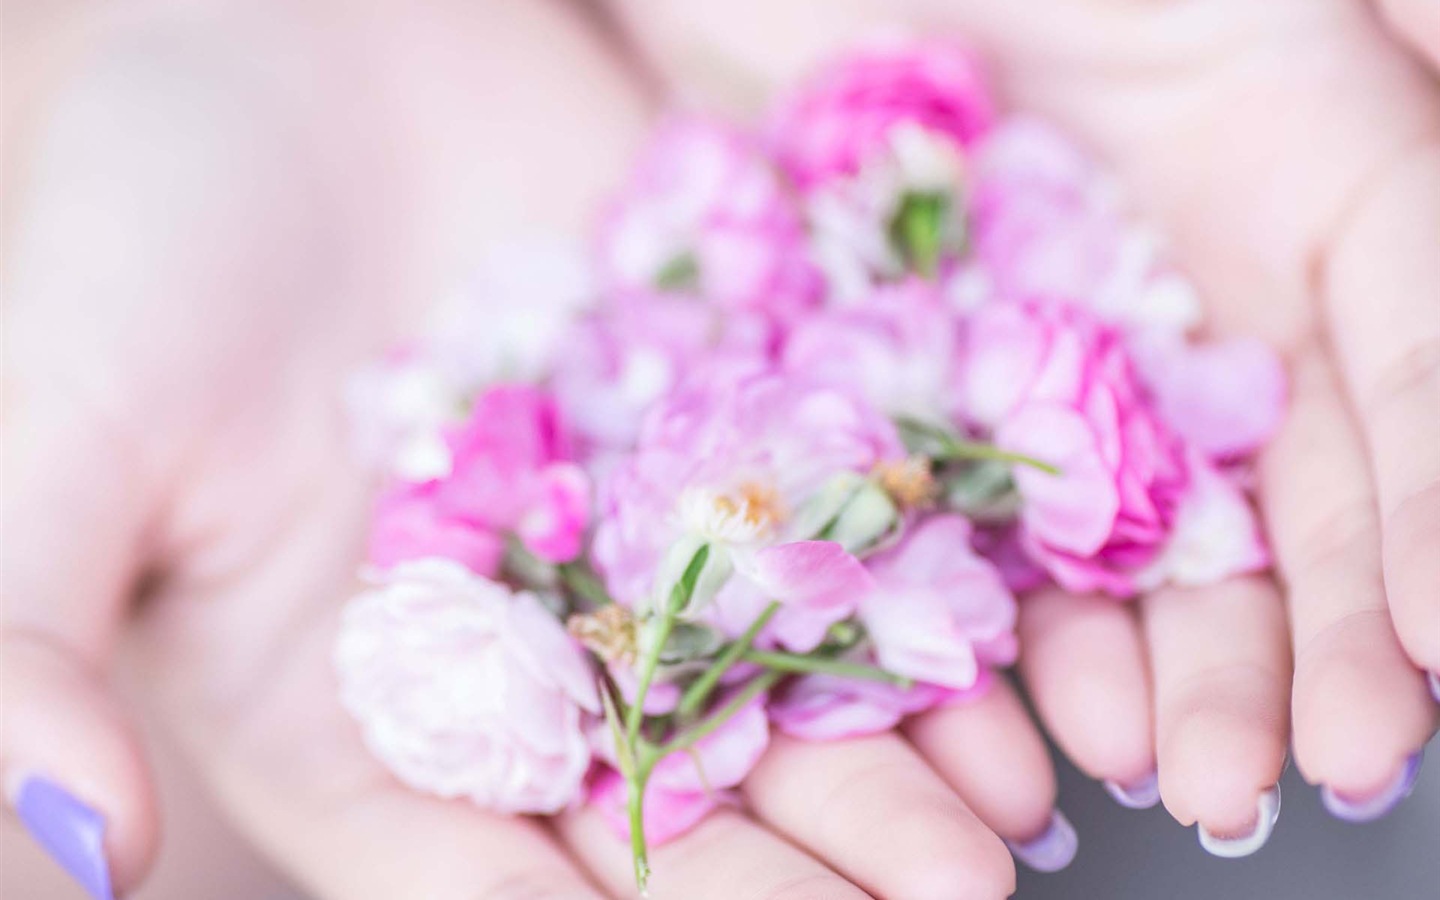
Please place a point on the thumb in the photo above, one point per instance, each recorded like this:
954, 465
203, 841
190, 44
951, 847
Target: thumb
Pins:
73, 769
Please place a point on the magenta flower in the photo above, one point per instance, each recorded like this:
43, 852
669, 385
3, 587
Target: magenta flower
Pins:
1052, 383
408, 525
940, 612
731, 465
513, 473
850, 112
705, 214
464, 689
686, 786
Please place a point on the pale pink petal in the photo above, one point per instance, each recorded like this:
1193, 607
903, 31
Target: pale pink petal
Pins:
1225, 398
723, 758
1216, 535
817, 583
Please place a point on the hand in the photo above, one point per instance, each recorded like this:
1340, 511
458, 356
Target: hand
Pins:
1292, 150
217, 229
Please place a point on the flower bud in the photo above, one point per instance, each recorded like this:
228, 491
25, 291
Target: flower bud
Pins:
678, 579
852, 510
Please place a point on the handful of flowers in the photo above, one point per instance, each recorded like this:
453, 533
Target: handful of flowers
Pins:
780, 453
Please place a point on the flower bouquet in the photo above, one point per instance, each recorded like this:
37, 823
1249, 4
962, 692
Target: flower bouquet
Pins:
826, 393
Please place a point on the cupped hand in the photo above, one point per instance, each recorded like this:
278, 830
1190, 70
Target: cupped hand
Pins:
221, 217
1292, 151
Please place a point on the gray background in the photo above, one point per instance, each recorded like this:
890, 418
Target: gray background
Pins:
1130, 855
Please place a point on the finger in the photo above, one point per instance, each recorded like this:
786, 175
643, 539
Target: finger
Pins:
726, 856
1360, 708
1221, 668
1084, 665
1382, 286
874, 810
989, 751
73, 767
1416, 21
391, 842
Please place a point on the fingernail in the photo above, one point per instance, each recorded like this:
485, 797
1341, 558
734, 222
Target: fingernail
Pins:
1267, 811
1369, 809
71, 832
1051, 851
1141, 794
1434, 679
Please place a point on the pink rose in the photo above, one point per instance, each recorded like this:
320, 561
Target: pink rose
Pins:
940, 612
686, 786
705, 214
514, 473
899, 349
408, 525
1052, 383
1045, 221
849, 112
465, 689
621, 360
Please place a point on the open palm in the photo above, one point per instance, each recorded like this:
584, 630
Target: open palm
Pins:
196, 270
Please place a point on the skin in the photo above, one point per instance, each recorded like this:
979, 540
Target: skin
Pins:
210, 232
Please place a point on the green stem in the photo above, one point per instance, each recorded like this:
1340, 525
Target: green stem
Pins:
691, 736
700, 689
957, 449
638, 777
821, 665
635, 715
952, 448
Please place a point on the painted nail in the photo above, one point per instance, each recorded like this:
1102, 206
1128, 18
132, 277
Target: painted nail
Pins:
1434, 679
1141, 794
1051, 851
1267, 811
1368, 809
71, 832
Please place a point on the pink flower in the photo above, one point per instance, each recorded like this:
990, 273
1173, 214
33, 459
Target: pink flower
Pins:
849, 112
1225, 398
464, 689
940, 612
505, 324
621, 360
828, 708
686, 786
731, 465
513, 473
1046, 222
1054, 384
409, 525
899, 349
705, 213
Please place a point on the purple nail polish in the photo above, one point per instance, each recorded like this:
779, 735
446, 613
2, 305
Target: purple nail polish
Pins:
1267, 813
1369, 809
1051, 851
1434, 679
71, 832
1141, 794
